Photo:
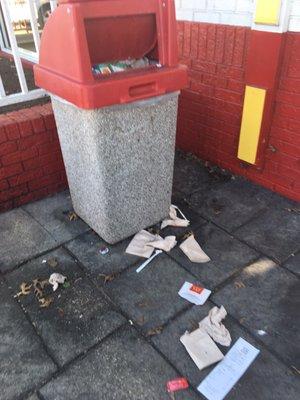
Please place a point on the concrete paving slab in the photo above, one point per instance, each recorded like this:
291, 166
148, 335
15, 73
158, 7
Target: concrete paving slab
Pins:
230, 204
190, 175
123, 367
150, 297
293, 263
21, 238
79, 316
87, 249
52, 214
275, 232
227, 254
267, 378
266, 297
24, 363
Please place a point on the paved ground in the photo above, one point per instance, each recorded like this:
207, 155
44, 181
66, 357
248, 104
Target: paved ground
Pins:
83, 346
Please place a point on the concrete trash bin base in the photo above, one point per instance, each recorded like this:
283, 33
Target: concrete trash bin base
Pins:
119, 162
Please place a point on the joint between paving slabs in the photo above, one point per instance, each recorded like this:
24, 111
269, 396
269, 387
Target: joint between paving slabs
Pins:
59, 245
257, 340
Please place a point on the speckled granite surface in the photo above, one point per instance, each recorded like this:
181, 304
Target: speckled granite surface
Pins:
119, 162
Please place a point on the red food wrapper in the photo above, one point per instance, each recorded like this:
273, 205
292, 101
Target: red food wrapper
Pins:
177, 384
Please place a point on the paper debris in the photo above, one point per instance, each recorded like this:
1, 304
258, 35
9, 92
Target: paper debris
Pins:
55, 279
201, 348
194, 293
213, 326
139, 245
141, 267
177, 384
174, 220
165, 244
260, 332
226, 374
193, 251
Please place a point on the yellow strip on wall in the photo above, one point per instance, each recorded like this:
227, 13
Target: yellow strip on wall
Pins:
267, 12
251, 123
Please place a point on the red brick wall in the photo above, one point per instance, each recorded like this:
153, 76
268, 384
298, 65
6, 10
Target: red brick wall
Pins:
210, 109
31, 165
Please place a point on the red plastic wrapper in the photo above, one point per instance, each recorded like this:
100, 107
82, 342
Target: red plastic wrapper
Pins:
177, 384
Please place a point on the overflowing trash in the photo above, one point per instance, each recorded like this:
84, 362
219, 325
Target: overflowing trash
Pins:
123, 65
193, 251
194, 293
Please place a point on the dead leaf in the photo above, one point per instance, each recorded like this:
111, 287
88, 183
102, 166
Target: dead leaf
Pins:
109, 278
52, 262
155, 331
37, 288
60, 312
25, 289
44, 283
45, 302
239, 284
140, 321
241, 321
72, 216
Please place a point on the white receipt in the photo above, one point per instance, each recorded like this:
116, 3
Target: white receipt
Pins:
226, 374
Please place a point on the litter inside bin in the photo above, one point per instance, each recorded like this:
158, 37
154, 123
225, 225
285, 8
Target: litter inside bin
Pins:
123, 65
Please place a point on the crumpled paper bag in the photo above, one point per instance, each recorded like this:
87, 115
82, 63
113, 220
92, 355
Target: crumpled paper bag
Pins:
193, 251
213, 326
165, 244
139, 245
174, 220
55, 279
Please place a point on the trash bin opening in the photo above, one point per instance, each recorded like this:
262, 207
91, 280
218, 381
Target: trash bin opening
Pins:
122, 44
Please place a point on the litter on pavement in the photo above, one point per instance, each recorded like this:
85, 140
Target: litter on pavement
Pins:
193, 251
55, 279
104, 250
226, 374
141, 267
174, 220
165, 244
194, 293
213, 326
139, 245
201, 348
177, 384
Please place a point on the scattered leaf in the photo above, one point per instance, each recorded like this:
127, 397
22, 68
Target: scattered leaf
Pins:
45, 302
61, 312
37, 288
239, 284
52, 262
25, 289
109, 278
141, 320
155, 331
72, 216
293, 210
